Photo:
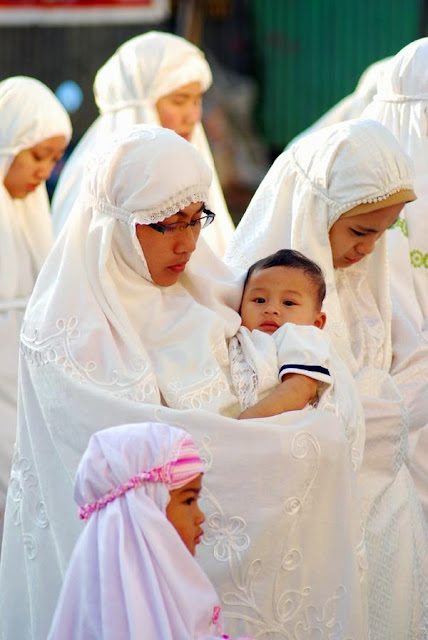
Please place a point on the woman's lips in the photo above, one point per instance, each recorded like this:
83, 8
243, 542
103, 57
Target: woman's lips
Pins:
178, 268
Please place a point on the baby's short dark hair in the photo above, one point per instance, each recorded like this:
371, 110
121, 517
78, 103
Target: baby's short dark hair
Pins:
294, 260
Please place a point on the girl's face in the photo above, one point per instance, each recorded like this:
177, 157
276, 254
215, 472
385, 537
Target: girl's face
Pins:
184, 513
33, 166
181, 109
167, 254
354, 237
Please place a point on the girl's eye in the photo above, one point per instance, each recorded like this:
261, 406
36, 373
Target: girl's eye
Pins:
358, 233
189, 501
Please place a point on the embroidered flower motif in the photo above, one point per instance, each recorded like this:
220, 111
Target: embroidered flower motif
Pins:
419, 259
226, 536
402, 225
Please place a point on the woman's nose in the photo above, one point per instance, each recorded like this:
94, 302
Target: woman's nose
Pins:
367, 244
187, 240
194, 113
44, 170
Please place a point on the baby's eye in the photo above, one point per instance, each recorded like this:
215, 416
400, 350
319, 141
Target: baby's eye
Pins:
360, 234
289, 303
259, 300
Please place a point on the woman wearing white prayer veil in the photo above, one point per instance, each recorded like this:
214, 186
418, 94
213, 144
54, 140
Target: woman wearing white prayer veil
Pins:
34, 131
331, 196
402, 106
129, 322
155, 78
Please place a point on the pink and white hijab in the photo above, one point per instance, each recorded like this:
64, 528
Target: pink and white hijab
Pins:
130, 575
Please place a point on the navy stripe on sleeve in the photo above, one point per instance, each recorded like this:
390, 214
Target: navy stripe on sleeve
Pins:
305, 367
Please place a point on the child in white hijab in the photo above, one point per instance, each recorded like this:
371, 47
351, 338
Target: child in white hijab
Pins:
156, 78
131, 572
34, 132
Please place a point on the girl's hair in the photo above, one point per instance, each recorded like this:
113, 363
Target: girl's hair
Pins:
294, 260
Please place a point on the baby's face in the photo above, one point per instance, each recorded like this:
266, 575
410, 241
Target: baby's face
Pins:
278, 295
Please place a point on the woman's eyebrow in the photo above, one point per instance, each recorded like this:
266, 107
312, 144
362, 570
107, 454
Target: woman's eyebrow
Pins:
366, 229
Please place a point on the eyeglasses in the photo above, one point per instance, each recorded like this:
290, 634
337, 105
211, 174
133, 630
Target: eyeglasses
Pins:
177, 227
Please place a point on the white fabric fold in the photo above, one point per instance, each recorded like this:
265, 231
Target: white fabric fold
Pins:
102, 345
307, 189
126, 89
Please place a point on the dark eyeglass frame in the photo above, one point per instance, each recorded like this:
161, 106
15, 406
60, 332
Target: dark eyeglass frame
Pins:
177, 227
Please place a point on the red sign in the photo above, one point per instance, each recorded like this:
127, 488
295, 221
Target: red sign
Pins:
63, 12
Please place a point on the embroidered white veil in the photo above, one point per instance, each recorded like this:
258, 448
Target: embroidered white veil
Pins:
402, 106
29, 114
126, 90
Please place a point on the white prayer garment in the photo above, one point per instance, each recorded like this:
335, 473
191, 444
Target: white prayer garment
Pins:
103, 345
309, 187
126, 90
402, 106
29, 114
259, 360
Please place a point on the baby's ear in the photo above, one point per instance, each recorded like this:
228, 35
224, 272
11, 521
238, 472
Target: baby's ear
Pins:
320, 320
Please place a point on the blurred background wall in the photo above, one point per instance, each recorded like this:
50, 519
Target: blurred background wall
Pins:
278, 65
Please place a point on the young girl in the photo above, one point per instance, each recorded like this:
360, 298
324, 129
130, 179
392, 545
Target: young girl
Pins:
155, 78
34, 132
132, 573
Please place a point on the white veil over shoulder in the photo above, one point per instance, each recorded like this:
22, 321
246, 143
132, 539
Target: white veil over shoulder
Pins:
402, 106
130, 571
29, 114
126, 90
307, 189
102, 345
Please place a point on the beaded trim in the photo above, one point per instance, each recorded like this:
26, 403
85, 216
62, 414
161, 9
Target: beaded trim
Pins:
339, 208
196, 193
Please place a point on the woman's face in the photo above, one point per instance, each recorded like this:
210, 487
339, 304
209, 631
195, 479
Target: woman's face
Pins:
181, 109
354, 237
33, 166
167, 255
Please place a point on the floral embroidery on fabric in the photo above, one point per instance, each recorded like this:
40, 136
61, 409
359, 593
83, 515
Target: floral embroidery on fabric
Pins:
419, 259
401, 224
58, 349
195, 396
23, 486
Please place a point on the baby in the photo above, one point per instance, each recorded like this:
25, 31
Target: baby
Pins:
281, 339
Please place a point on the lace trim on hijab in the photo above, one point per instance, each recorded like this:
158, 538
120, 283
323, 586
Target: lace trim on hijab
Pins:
422, 97
339, 208
125, 104
196, 193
